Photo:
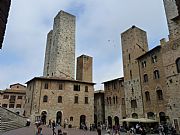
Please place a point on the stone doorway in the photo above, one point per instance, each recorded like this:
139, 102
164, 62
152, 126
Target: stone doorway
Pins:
82, 121
59, 117
162, 117
109, 121
116, 120
43, 117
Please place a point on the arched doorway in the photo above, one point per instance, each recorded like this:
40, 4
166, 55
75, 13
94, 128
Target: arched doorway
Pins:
43, 117
109, 122
82, 121
150, 115
135, 115
59, 117
116, 120
162, 117
18, 113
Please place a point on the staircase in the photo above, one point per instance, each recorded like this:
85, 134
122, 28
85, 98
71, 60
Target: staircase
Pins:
10, 120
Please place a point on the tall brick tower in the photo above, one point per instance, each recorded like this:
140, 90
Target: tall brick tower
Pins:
172, 9
134, 44
84, 68
60, 47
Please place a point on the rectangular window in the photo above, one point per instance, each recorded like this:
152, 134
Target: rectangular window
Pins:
12, 99
86, 100
76, 87
11, 105
19, 97
18, 106
4, 105
60, 86
6, 97
86, 88
76, 99
133, 104
46, 86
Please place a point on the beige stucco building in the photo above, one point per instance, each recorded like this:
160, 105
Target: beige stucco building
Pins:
60, 100
13, 98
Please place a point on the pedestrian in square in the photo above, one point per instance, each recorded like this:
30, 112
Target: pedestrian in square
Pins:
53, 127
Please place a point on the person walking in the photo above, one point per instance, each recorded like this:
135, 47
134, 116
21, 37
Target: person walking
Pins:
39, 131
99, 130
49, 124
53, 127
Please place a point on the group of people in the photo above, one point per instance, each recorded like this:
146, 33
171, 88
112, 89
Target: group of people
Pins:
51, 124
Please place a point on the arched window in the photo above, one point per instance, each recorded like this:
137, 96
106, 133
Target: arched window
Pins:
147, 95
154, 59
135, 115
178, 65
151, 115
45, 98
71, 118
159, 94
156, 74
145, 78
59, 99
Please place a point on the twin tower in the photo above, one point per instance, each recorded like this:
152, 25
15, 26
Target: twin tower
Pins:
60, 51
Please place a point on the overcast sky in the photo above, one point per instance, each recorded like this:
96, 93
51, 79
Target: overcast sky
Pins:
99, 24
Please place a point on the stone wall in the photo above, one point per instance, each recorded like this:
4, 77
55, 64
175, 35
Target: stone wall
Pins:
150, 62
171, 52
134, 44
60, 60
114, 96
173, 17
84, 68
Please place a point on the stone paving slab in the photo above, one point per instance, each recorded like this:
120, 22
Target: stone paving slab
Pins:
48, 131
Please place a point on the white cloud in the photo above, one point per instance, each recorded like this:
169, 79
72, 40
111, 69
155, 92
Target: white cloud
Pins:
99, 24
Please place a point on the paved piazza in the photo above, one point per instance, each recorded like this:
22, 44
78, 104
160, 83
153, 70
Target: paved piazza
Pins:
48, 131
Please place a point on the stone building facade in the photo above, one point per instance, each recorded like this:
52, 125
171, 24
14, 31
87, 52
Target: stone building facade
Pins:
62, 100
134, 44
14, 98
60, 47
57, 95
114, 99
171, 63
172, 9
152, 78
84, 68
99, 107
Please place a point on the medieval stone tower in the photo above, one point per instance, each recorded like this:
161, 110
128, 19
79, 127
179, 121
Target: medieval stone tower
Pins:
60, 48
134, 44
172, 9
84, 68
